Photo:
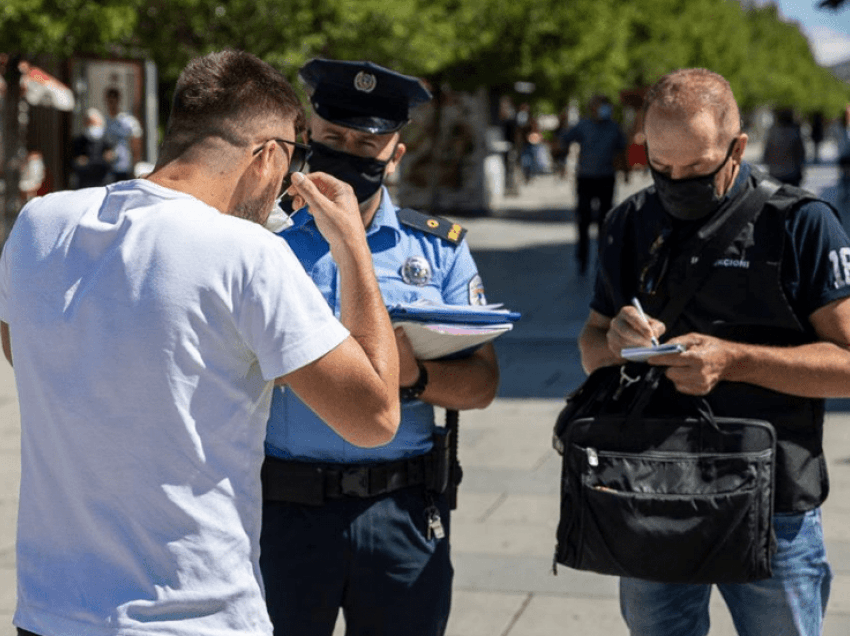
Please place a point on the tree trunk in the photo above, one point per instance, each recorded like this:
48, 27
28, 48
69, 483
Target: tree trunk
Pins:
13, 154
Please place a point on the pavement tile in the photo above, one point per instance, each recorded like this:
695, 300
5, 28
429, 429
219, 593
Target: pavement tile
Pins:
839, 596
523, 508
548, 615
485, 571
8, 523
836, 526
484, 614
505, 540
475, 507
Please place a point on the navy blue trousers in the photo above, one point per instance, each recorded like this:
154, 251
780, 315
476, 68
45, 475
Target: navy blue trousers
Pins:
371, 557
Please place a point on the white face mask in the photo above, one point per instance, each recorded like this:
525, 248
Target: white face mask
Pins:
278, 219
94, 132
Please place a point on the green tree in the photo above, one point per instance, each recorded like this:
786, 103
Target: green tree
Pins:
32, 28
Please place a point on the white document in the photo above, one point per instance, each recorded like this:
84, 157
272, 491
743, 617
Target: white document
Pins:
437, 340
640, 354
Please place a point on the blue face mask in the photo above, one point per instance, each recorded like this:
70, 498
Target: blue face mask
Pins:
689, 199
605, 111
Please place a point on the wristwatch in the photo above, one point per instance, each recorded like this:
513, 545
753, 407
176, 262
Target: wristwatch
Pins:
417, 388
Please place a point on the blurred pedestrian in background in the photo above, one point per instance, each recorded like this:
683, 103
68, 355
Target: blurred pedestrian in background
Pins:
784, 151
510, 132
91, 153
124, 134
816, 133
560, 152
601, 146
843, 143
532, 157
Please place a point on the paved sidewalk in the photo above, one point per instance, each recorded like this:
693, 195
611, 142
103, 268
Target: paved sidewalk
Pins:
503, 533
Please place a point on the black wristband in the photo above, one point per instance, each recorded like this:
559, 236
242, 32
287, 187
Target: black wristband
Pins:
417, 388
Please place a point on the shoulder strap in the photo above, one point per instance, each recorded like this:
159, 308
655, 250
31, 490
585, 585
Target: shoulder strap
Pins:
445, 229
722, 231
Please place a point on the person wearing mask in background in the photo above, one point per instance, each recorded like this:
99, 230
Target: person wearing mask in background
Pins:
767, 335
124, 134
601, 146
91, 154
368, 531
149, 321
784, 152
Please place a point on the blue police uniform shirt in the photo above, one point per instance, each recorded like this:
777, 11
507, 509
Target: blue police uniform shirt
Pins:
294, 432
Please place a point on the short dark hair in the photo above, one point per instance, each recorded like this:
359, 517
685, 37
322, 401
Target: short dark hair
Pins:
220, 94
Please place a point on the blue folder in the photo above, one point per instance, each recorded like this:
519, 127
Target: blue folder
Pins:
458, 314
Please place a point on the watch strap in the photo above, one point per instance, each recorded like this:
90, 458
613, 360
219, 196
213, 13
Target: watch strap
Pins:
417, 388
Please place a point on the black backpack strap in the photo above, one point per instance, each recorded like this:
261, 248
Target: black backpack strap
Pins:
722, 231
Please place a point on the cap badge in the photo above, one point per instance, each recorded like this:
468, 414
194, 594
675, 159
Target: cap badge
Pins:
416, 271
365, 82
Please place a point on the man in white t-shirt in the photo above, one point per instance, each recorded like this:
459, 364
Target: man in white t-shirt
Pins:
149, 321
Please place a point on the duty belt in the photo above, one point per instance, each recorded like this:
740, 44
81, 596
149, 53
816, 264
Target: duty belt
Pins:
313, 483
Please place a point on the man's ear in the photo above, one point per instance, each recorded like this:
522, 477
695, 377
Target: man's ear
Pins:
740, 147
392, 165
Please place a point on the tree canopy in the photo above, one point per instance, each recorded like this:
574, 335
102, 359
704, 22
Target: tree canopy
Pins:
567, 48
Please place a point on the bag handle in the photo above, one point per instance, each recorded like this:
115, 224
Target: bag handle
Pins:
649, 381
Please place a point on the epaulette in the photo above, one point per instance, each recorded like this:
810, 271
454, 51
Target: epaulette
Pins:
445, 229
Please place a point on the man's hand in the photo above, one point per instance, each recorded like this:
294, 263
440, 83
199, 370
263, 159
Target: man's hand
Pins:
331, 202
629, 329
697, 370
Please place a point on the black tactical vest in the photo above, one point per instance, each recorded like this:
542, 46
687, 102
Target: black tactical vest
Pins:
743, 299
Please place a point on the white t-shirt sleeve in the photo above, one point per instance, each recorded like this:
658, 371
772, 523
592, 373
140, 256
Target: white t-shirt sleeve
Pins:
284, 318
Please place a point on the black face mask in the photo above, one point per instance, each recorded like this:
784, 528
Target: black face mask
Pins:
689, 199
364, 174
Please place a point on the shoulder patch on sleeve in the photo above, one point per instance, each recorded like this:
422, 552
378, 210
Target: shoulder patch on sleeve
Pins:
438, 226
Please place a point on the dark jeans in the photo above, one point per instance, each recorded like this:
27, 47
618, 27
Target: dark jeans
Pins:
595, 195
23, 632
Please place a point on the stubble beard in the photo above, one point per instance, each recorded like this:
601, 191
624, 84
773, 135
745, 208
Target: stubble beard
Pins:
258, 208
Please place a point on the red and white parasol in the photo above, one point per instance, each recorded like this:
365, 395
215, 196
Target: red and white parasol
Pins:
42, 89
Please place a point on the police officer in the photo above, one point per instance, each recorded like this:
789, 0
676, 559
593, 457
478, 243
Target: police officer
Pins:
767, 333
367, 530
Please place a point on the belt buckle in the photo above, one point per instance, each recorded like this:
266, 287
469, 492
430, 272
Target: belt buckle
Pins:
355, 481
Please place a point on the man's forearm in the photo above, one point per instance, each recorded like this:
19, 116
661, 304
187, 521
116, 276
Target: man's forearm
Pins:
816, 370
468, 383
362, 309
593, 345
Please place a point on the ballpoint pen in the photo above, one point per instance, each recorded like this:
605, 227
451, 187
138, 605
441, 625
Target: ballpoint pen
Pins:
638, 306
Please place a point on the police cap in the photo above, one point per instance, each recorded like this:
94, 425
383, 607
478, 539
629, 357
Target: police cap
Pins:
361, 95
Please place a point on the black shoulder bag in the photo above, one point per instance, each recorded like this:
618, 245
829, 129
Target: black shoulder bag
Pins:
653, 485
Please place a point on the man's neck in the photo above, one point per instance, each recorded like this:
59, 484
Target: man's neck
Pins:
193, 181
369, 208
